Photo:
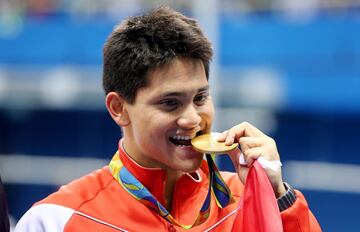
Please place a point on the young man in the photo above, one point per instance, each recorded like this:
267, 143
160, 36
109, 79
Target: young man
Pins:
156, 70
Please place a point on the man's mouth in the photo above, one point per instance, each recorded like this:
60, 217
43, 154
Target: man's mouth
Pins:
182, 140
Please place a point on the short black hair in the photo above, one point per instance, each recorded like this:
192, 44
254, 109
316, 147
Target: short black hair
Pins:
144, 42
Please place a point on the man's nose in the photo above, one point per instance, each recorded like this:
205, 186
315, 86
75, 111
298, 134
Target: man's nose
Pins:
189, 118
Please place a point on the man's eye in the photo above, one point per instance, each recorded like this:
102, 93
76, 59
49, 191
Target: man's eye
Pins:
170, 104
201, 98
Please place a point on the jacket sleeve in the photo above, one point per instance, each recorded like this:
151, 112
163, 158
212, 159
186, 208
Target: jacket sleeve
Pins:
44, 217
298, 217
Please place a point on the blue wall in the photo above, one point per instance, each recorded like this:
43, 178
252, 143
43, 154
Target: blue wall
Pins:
311, 55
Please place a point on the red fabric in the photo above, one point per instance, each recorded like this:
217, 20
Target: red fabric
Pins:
261, 212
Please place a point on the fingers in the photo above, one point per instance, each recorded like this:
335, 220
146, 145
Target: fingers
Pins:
249, 142
253, 144
249, 138
243, 129
232, 135
222, 136
252, 154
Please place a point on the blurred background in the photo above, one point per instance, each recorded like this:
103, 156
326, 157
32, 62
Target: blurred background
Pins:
292, 68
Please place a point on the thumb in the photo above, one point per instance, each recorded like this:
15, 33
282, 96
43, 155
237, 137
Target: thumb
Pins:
235, 157
240, 166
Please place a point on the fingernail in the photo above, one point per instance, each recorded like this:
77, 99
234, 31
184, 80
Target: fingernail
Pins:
228, 142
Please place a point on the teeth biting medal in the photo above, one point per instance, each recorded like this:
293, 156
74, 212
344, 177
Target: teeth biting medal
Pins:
207, 143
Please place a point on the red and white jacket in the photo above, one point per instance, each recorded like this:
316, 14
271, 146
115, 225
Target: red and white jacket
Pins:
97, 202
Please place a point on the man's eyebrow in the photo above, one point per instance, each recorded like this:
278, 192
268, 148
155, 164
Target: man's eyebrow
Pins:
177, 94
206, 88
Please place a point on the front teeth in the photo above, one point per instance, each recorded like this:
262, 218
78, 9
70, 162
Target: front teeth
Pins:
182, 137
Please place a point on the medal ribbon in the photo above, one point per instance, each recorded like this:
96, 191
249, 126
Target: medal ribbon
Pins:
134, 187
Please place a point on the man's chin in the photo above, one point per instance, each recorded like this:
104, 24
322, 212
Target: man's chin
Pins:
192, 166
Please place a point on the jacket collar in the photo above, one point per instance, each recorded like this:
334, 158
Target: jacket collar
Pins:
154, 179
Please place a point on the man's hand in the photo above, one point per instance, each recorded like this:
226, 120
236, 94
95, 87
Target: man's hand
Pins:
253, 144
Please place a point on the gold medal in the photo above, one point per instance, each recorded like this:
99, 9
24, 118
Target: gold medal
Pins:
207, 143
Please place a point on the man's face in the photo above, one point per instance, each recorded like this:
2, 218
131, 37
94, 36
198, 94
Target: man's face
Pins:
167, 114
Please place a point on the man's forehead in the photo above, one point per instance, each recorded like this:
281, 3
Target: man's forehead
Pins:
177, 67
179, 77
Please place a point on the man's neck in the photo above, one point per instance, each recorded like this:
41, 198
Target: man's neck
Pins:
171, 179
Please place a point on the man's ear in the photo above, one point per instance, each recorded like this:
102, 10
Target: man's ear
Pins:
116, 105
